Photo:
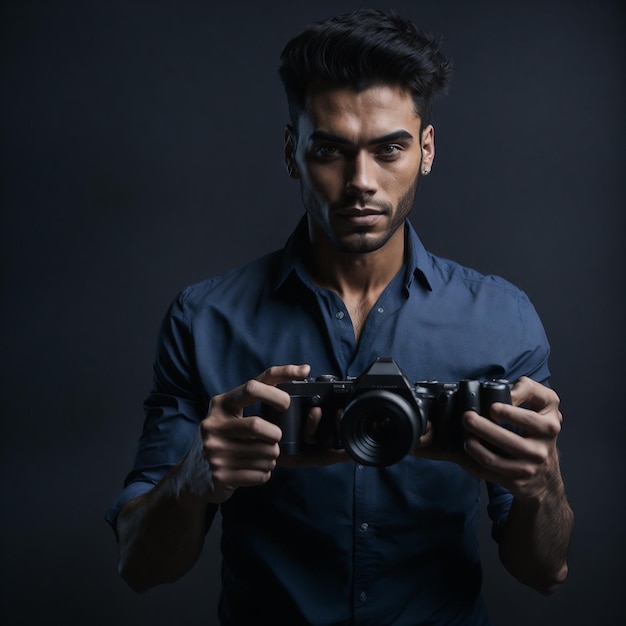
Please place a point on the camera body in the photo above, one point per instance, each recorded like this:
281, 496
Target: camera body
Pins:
379, 416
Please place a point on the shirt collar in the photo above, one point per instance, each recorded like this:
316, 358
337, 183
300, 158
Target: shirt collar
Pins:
419, 263
292, 262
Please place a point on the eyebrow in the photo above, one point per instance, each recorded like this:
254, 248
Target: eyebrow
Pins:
322, 135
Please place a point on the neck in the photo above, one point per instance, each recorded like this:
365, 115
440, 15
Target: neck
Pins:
355, 275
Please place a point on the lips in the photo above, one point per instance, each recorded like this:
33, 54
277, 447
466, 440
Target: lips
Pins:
359, 212
360, 217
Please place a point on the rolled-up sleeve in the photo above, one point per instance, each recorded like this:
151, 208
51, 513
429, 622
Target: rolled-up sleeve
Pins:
173, 410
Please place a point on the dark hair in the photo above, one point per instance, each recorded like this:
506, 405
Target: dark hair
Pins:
361, 49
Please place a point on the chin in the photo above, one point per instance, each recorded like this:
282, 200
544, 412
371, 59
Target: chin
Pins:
362, 243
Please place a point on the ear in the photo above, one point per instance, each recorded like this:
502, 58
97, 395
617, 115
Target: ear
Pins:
290, 152
428, 148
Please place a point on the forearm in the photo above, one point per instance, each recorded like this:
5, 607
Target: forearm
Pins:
161, 533
535, 539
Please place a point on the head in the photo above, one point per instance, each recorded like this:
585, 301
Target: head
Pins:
359, 50
360, 90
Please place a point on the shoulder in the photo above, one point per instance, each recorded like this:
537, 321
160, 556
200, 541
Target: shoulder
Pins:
454, 274
486, 322
238, 286
482, 300
445, 277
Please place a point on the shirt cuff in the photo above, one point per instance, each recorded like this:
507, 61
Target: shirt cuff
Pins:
133, 490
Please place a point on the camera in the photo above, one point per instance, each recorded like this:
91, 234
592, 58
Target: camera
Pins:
379, 416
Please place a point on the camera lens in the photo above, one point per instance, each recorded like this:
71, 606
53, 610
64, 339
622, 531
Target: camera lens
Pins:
379, 428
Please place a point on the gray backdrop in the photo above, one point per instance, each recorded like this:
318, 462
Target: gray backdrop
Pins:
141, 151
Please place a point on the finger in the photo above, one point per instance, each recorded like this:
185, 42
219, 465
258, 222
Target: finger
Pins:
283, 373
427, 437
503, 442
233, 479
546, 423
251, 392
260, 389
243, 455
311, 424
242, 429
490, 463
534, 395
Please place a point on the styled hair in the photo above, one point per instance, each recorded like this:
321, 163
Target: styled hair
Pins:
362, 49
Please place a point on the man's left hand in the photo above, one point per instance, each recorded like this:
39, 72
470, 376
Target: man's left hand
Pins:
524, 462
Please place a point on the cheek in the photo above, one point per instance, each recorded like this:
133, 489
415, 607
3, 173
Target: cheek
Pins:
324, 181
397, 183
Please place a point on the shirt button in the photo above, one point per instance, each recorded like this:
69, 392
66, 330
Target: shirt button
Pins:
339, 315
380, 309
359, 467
364, 526
362, 596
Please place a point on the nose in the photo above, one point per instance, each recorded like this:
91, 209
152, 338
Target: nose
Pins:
361, 175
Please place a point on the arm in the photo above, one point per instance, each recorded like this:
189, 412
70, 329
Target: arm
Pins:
161, 533
535, 538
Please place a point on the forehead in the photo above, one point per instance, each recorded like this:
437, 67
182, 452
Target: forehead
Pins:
359, 114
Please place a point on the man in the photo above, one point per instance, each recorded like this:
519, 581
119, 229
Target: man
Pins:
317, 538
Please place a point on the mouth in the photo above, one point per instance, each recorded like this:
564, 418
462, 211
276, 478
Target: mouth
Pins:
359, 211
360, 216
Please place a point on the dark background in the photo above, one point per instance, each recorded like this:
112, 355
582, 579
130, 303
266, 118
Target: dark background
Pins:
142, 151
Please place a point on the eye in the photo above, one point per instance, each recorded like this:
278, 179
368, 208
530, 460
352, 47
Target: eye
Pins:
389, 151
327, 151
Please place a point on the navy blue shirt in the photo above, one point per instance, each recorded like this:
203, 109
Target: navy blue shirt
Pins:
345, 544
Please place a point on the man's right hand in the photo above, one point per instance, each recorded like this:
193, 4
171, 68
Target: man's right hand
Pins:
161, 532
243, 451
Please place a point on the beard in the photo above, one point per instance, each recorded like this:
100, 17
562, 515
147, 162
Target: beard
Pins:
361, 241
